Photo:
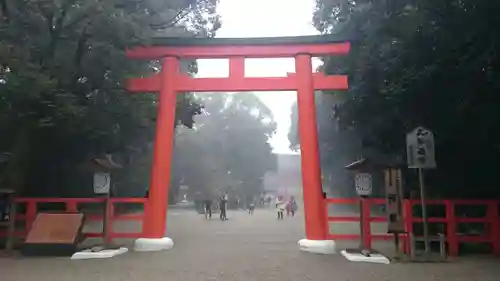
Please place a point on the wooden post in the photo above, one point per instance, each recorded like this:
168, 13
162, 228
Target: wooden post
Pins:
366, 239
394, 203
11, 224
71, 207
408, 219
451, 228
107, 221
495, 226
31, 210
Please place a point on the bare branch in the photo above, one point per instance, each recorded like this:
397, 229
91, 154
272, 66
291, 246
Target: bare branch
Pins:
173, 21
88, 13
79, 19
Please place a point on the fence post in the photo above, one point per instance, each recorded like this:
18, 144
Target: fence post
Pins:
71, 207
327, 214
408, 221
145, 212
30, 214
451, 228
494, 220
366, 217
108, 221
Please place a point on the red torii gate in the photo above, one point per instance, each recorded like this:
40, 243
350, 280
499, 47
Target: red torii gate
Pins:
170, 81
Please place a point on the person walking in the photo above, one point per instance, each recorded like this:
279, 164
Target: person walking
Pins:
208, 208
280, 207
251, 207
288, 207
292, 205
223, 207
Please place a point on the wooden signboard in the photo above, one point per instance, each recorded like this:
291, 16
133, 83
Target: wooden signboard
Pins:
394, 206
54, 234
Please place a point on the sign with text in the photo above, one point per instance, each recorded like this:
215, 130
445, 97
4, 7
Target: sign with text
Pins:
420, 149
102, 183
363, 183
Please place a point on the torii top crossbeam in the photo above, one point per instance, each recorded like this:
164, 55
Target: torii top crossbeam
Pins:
236, 50
272, 47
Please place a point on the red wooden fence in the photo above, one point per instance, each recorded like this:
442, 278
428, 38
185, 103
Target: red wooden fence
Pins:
450, 220
71, 205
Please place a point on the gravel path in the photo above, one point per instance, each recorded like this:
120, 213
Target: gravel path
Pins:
244, 248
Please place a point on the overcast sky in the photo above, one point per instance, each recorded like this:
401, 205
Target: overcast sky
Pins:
264, 18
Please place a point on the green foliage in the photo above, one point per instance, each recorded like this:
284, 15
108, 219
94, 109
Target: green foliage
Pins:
62, 101
429, 63
228, 149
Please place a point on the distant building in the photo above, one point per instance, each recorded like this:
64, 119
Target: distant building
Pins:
287, 177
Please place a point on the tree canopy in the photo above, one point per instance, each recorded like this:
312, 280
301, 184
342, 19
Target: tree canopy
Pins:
62, 96
415, 63
228, 148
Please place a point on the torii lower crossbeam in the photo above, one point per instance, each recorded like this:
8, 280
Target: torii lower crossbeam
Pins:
186, 83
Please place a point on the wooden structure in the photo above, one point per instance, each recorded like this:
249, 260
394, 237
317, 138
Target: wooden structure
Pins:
393, 196
107, 165
7, 216
362, 166
400, 218
170, 82
71, 206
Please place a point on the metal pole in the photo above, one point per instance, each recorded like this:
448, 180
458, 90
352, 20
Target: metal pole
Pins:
399, 186
412, 245
361, 227
424, 210
396, 245
442, 246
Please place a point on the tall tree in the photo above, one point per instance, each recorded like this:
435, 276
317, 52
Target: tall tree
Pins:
228, 148
62, 101
337, 147
426, 63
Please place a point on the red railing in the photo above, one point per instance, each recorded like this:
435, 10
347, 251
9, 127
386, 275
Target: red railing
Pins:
368, 219
71, 205
450, 220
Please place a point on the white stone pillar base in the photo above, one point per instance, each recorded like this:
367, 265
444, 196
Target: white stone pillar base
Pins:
326, 247
153, 244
